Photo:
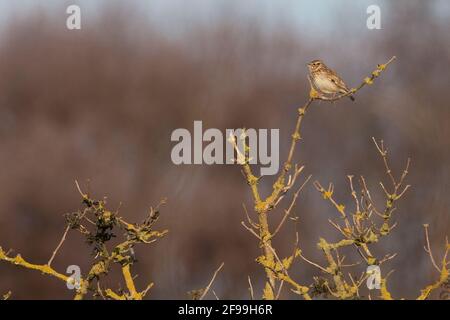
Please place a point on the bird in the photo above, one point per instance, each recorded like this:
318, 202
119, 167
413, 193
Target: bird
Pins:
326, 80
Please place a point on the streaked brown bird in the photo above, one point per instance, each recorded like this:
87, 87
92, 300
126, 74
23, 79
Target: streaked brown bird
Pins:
326, 80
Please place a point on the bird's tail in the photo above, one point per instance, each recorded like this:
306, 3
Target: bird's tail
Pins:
347, 91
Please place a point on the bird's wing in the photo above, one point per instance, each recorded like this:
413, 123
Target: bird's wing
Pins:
338, 82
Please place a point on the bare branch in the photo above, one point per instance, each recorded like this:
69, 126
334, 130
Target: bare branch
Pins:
291, 206
250, 288
211, 282
59, 245
428, 249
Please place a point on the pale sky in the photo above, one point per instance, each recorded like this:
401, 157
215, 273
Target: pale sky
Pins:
304, 12
320, 15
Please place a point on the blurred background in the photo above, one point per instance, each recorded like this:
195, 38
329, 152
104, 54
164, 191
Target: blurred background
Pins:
99, 105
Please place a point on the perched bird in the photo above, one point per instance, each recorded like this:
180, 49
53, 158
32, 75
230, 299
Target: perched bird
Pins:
326, 80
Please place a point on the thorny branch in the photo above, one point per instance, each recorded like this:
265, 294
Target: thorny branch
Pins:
98, 225
279, 189
360, 230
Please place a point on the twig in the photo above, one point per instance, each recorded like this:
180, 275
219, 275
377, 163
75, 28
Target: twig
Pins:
83, 195
314, 264
387, 258
100, 291
250, 288
350, 178
279, 290
428, 249
250, 221
288, 211
211, 282
59, 245
144, 293
250, 230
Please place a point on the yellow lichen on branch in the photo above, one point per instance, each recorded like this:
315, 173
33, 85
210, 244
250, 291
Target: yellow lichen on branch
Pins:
284, 182
362, 228
97, 224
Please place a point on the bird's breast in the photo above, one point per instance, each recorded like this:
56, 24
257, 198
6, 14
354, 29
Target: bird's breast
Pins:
324, 84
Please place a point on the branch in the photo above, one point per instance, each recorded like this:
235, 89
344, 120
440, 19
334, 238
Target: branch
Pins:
250, 288
211, 282
367, 81
444, 273
45, 269
59, 245
288, 211
428, 249
281, 187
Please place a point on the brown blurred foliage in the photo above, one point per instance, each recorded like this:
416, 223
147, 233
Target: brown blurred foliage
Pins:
99, 105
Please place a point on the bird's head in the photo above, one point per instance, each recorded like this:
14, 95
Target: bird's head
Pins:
315, 65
